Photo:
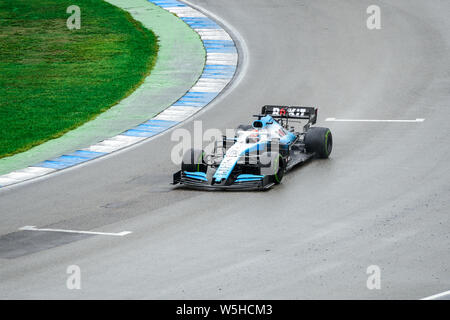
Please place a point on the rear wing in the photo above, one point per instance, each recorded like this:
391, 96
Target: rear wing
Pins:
291, 112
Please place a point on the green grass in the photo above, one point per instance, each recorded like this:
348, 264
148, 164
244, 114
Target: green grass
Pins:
53, 79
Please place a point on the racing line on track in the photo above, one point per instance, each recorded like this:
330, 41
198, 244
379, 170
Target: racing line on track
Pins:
219, 70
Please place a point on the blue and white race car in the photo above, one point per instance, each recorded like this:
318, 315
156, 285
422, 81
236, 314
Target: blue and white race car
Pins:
259, 154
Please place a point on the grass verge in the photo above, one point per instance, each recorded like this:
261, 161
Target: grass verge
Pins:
53, 79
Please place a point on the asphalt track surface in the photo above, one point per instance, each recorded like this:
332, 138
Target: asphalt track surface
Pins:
381, 199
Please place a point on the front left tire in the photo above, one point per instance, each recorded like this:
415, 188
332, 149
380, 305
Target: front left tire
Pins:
194, 161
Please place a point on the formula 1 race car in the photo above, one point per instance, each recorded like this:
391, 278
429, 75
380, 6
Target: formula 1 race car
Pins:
259, 154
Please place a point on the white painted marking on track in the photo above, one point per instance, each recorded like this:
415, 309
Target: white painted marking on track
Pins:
374, 120
119, 234
439, 295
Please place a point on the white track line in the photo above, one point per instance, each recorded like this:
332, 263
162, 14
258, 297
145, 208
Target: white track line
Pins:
371, 120
436, 296
120, 234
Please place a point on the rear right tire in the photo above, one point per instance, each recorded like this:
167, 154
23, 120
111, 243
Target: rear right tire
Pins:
320, 141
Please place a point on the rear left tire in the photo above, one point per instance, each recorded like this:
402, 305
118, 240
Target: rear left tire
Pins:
244, 127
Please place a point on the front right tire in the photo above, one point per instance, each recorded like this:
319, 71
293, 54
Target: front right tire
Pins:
278, 167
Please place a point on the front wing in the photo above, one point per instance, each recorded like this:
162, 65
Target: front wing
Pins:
184, 180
